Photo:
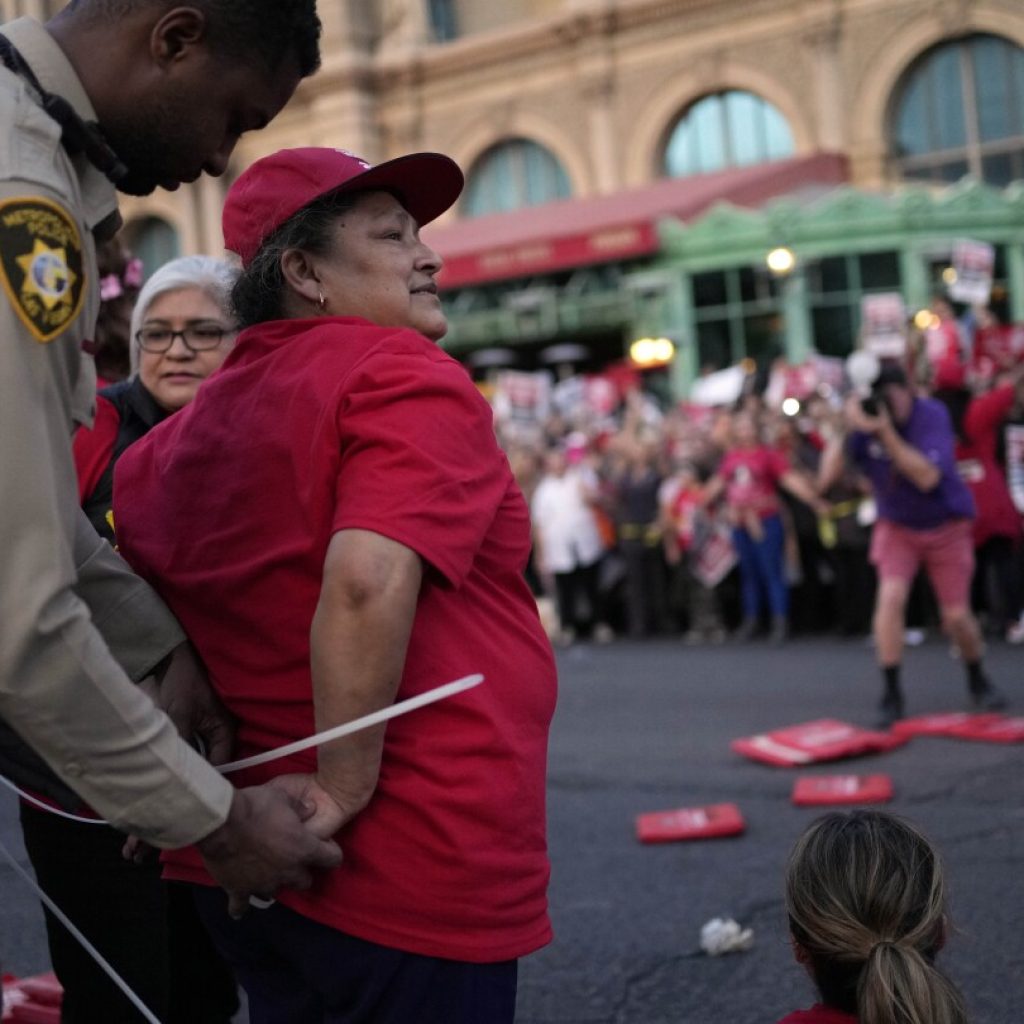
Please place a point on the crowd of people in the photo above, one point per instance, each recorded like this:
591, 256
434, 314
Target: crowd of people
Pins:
711, 523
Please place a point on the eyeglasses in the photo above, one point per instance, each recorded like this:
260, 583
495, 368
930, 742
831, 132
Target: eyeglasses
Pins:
197, 337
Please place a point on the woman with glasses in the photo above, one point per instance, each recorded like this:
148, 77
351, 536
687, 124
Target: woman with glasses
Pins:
182, 330
147, 929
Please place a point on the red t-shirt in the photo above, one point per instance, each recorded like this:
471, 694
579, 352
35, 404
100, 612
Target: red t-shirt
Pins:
818, 1014
315, 426
979, 467
684, 510
750, 476
93, 448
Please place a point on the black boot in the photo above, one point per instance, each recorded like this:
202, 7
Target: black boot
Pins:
890, 709
984, 696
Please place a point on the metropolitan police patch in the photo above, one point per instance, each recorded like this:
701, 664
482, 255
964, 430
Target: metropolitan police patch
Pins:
41, 264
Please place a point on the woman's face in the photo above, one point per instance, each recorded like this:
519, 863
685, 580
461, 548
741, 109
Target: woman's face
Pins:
744, 430
173, 377
380, 270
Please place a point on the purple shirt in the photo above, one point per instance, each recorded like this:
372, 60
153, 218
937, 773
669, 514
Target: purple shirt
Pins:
930, 431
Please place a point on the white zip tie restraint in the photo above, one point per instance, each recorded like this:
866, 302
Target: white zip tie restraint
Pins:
319, 739
374, 718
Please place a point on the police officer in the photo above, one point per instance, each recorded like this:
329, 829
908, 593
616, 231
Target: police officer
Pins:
128, 94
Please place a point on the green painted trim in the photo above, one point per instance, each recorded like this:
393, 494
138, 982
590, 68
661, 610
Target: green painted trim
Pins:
845, 220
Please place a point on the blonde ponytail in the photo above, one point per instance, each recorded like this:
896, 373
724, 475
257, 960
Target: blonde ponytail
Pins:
866, 901
900, 986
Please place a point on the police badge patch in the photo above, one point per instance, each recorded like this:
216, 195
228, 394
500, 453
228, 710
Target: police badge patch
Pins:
41, 264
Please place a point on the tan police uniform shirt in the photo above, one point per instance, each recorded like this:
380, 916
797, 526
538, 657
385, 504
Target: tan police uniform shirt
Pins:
75, 623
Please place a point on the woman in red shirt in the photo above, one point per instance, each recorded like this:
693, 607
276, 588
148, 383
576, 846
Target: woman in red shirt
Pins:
748, 476
335, 526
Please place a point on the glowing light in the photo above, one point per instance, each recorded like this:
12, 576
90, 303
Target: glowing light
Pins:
780, 260
647, 353
949, 275
925, 318
790, 406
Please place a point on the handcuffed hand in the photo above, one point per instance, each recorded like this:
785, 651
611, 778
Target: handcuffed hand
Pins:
184, 693
273, 839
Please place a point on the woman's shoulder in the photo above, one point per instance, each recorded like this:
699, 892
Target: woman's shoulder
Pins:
818, 1014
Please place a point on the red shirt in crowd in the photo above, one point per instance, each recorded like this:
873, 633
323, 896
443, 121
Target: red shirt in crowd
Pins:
979, 467
316, 426
684, 509
751, 476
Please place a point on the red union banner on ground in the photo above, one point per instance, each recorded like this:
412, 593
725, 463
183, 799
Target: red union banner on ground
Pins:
823, 740
709, 822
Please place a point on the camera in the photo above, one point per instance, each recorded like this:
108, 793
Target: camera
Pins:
869, 405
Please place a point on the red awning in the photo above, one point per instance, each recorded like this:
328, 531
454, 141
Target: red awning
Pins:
601, 229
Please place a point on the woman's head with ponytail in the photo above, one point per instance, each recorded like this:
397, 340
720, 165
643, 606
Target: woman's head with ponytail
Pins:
867, 909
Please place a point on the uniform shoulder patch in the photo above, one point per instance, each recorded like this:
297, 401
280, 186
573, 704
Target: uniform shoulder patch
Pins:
41, 264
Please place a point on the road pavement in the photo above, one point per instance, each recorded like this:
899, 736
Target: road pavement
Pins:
646, 727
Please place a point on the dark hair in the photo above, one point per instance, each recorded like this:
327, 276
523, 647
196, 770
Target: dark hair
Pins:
866, 901
271, 29
259, 294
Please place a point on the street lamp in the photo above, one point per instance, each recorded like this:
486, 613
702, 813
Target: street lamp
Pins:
780, 260
650, 353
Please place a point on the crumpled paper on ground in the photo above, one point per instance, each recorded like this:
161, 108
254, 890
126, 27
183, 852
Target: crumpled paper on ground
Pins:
723, 935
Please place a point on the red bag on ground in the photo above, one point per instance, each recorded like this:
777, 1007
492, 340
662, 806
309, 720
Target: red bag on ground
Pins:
690, 823
825, 739
945, 724
999, 729
828, 790
35, 1000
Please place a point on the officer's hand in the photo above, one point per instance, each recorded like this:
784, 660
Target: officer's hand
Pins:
183, 691
265, 845
322, 813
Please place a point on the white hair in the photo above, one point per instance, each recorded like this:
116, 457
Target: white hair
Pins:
213, 276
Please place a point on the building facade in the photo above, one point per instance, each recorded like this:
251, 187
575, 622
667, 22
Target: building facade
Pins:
629, 162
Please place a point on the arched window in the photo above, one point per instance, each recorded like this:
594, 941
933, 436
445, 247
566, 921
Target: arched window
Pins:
153, 241
512, 174
726, 129
959, 109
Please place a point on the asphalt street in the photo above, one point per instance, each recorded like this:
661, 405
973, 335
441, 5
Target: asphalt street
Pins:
646, 727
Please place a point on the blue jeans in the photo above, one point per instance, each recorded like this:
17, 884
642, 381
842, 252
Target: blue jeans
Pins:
298, 971
762, 570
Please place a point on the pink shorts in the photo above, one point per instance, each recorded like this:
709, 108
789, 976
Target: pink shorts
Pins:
946, 552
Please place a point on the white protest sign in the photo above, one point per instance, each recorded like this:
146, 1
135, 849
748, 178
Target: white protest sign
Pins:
883, 318
972, 265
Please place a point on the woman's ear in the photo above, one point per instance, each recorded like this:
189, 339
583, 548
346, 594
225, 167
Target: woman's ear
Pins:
300, 275
800, 953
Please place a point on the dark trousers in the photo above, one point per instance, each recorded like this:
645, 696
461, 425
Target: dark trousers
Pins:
855, 589
583, 581
762, 569
996, 584
147, 929
298, 971
646, 588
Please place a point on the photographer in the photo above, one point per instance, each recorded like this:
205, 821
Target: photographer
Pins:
905, 446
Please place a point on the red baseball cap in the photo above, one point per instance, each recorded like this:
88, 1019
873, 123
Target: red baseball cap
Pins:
266, 194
